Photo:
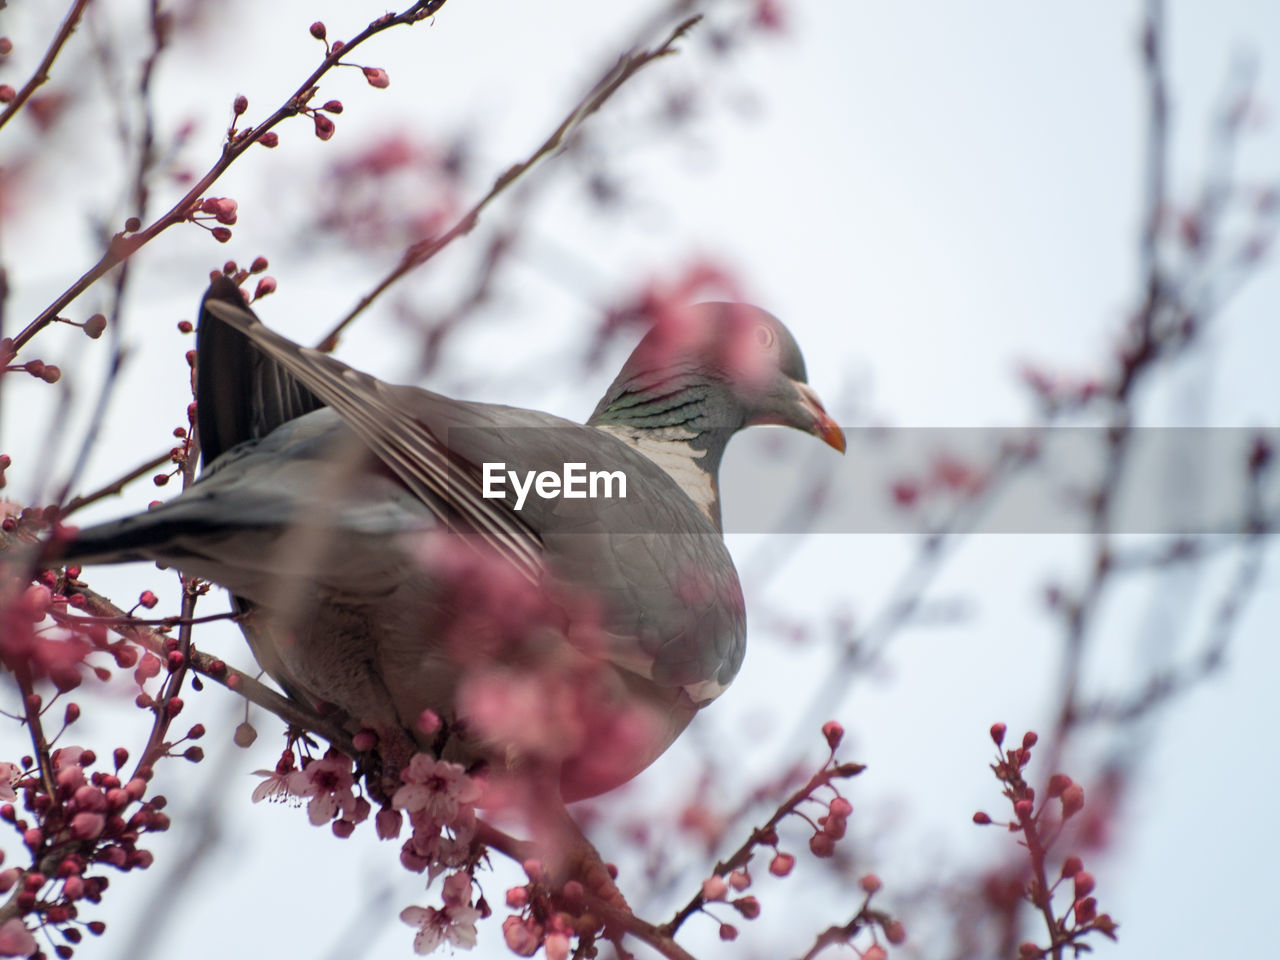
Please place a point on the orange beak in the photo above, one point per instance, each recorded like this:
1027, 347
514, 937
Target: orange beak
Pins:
823, 426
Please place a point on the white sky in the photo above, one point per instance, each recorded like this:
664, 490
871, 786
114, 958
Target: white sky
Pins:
927, 193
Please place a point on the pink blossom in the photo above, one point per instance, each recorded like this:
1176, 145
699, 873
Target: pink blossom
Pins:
435, 788
535, 713
328, 782
428, 722
454, 924
69, 775
556, 946
87, 826
781, 864
10, 774
457, 889
430, 848
16, 939
388, 823
275, 787
714, 888
523, 936
65, 757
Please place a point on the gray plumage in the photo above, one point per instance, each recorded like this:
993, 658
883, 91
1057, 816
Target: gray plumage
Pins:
321, 484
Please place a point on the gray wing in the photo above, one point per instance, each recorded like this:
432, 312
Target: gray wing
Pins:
227, 527
378, 415
241, 393
673, 605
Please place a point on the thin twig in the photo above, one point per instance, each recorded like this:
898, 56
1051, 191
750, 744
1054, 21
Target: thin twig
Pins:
237, 681
117, 485
31, 712
832, 936
742, 856
121, 246
42, 71
419, 253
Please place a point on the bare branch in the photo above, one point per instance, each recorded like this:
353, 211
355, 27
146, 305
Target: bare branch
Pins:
42, 71
116, 485
123, 246
628, 65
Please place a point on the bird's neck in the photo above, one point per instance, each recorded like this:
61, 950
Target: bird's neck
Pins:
680, 425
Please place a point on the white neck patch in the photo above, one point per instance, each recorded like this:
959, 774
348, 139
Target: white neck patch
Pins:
668, 447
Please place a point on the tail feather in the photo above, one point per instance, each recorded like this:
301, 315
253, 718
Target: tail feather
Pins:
241, 393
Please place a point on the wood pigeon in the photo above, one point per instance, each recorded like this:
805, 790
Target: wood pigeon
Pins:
376, 540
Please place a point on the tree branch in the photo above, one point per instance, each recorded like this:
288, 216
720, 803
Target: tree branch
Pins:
122, 247
628, 65
42, 71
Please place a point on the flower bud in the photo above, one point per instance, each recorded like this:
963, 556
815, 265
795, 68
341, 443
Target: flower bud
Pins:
714, 888
1072, 800
781, 864
95, 325
822, 845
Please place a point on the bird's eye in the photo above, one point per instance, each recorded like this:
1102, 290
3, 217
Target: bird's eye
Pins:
764, 337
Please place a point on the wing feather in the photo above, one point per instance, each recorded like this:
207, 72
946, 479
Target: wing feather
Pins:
401, 440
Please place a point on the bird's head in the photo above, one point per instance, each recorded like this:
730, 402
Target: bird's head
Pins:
741, 361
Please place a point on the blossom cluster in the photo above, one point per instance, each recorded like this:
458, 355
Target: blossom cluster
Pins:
732, 877
1041, 826
74, 822
437, 798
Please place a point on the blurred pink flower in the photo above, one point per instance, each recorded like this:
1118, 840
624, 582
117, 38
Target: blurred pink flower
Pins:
435, 788
275, 787
10, 774
454, 924
16, 939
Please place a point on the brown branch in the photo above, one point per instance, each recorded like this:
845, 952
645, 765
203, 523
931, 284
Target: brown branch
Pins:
832, 936
617, 919
172, 685
660, 938
128, 620
1157, 135
742, 856
41, 74
31, 713
121, 247
1041, 895
1173, 681
237, 681
115, 486
140, 193
868, 644
419, 253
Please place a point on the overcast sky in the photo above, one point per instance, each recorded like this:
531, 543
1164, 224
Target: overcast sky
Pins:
929, 194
